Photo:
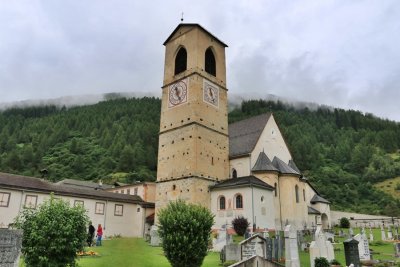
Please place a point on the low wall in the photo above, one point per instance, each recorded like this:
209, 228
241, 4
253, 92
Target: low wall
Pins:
374, 220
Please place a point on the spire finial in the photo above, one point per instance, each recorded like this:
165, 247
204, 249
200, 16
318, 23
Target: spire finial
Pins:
182, 17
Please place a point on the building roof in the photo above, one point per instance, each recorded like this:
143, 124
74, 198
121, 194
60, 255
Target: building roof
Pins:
263, 163
313, 211
83, 184
193, 25
244, 134
243, 182
283, 167
318, 199
293, 166
19, 182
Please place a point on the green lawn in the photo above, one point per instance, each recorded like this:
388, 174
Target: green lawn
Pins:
133, 252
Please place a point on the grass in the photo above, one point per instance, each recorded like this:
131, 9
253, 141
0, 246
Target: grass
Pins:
389, 187
134, 252
383, 251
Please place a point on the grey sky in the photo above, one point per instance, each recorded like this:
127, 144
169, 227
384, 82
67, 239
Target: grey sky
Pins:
340, 53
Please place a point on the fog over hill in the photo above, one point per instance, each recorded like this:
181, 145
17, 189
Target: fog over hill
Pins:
89, 99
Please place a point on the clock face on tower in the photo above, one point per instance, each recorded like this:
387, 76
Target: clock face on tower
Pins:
210, 93
177, 93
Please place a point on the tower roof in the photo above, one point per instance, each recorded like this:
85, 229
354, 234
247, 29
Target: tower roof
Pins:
263, 163
193, 25
293, 166
311, 210
283, 167
244, 134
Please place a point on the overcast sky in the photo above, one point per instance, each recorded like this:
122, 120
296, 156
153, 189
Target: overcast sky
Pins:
340, 53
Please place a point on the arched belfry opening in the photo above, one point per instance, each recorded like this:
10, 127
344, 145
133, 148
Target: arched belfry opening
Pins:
210, 62
181, 61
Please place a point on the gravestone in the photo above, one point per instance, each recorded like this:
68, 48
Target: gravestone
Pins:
231, 252
383, 234
320, 247
154, 237
291, 248
269, 248
341, 233
396, 233
351, 252
351, 232
389, 233
363, 247
371, 235
397, 250
10, 247
253, 246
222, 239
276, 248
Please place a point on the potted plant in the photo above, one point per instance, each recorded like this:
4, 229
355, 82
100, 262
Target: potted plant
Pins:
335, 263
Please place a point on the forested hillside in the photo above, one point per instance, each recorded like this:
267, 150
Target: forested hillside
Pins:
341, 152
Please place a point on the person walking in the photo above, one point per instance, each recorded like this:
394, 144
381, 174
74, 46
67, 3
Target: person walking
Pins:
99, 235
90, 234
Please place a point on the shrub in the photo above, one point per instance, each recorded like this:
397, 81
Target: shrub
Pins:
344, 222
185, 230
321, 262
240, 224
53, 234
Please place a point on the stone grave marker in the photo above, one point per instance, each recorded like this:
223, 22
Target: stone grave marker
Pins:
269, 248
254, 245
351, 232
383, 234
397, 250
291, 248
389, 233
154, 237
363, 247
351, 252
10, 247
320, 247
371, 235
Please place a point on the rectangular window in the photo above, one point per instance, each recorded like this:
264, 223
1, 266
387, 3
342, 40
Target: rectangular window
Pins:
99, 208
79, 203
136, 191
4, 199
30, 201
128, 191
119, 210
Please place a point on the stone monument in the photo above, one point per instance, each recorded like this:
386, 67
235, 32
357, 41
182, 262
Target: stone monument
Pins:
320, 247
351, 252
363, 246
10, 247
254, 245
383, 234
291, 248
154, 237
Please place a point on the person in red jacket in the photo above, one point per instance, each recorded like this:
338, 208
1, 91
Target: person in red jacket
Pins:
99, 235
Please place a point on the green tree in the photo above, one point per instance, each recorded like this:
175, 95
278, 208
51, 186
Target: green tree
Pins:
52, 234
344, 222
185, 232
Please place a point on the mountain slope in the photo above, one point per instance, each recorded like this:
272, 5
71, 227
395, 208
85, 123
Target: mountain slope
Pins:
341, 152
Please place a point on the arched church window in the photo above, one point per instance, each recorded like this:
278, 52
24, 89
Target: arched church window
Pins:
234, 173
210, 62
239, 201
276, 189
181, 61
296, 189
222, 203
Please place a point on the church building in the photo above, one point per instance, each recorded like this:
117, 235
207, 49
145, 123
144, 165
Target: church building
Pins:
244, 169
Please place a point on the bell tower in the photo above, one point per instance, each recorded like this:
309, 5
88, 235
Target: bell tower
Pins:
193, 139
